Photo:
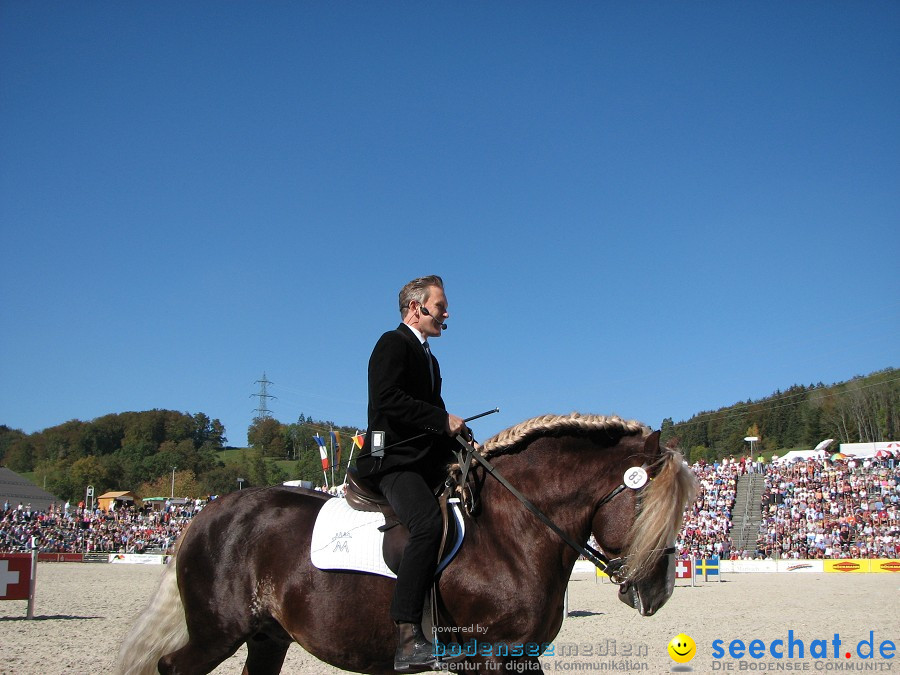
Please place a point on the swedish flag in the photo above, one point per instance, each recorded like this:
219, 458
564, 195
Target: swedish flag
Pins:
707, 566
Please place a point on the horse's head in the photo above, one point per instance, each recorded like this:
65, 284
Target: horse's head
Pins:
634, 521
641, 524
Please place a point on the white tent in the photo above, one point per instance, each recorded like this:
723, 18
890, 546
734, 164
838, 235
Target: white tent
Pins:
863, 450
795, 455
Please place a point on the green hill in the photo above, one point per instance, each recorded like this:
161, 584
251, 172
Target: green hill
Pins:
863, 409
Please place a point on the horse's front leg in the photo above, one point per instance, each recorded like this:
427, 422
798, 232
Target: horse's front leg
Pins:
265, 655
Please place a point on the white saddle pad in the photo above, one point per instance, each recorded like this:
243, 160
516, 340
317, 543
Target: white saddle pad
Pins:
346, 539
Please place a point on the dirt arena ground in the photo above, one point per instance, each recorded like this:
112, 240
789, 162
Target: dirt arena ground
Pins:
83, 610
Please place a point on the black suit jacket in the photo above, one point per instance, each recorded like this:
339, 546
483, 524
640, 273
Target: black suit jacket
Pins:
404, 404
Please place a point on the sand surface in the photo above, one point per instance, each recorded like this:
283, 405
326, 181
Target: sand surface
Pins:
83, 610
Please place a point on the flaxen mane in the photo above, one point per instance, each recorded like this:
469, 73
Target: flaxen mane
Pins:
512, 439
550, 424
662, 509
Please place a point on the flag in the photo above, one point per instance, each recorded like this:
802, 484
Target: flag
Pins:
683, 569
15, 576
323, 451
707, 566
358, 440
336, 443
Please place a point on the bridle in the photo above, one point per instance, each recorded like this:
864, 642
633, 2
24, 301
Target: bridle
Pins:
615, 568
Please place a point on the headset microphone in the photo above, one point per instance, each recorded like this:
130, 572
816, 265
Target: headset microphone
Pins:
428, 314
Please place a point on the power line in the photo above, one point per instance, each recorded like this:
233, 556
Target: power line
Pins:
262, 411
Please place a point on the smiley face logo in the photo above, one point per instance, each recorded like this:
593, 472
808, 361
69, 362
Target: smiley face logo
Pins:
682, 648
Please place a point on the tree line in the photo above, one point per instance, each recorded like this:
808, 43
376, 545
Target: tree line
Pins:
120, 451
295, 442
140, 451
146, 452
862, 410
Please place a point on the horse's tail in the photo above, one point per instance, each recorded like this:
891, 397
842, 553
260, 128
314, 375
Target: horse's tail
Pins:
159, 630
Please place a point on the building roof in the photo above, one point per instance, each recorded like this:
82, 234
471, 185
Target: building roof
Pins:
116, 495
15, 488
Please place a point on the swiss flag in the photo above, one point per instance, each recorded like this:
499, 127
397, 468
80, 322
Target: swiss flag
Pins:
15, 576
683, 569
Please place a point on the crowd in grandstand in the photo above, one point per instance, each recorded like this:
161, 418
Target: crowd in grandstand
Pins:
810, 509
68, 529
707, 522
821, 509
815, 508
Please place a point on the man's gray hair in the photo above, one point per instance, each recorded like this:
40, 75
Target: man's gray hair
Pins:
418, 290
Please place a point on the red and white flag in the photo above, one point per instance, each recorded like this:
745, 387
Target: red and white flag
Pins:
15, 576
323, 451
683, 569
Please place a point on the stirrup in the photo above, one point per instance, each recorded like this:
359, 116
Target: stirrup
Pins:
420, 652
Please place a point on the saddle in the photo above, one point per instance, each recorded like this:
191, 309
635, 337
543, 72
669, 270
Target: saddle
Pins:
363, 496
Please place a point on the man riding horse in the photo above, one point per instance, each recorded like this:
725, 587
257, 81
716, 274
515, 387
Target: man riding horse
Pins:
405, 401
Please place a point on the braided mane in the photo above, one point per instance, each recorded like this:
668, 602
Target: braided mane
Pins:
548, 424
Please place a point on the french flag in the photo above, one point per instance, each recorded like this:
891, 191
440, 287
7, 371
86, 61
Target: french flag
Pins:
323, 451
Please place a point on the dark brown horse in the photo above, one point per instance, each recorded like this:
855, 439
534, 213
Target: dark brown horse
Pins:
242, 571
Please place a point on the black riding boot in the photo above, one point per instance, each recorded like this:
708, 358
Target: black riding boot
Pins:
414, 651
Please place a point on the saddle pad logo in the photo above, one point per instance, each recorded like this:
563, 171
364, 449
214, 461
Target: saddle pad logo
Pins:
340, 542
346, 539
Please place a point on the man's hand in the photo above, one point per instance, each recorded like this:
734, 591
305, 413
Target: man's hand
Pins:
455, 425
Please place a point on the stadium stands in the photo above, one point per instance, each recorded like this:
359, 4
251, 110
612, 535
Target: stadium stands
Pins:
816, 508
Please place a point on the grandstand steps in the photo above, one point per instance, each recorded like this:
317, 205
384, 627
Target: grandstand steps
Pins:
746, 515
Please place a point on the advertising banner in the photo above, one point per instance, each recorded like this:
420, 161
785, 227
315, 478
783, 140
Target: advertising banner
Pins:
748, 566
136, 559
800, 566
847, 566
884, 565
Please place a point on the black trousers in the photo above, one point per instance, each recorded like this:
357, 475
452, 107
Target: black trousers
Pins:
417, 508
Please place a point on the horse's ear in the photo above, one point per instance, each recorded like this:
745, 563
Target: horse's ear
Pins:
651, 445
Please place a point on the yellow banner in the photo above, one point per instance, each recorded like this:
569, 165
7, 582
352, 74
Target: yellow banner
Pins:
885, 565
847, 566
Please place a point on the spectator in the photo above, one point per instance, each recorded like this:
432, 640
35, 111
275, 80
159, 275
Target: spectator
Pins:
123, 530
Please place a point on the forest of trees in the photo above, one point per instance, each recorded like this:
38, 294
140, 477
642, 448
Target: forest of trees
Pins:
137, 450
295, 442
864, 409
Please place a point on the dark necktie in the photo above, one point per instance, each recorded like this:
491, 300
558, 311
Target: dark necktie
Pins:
430, 363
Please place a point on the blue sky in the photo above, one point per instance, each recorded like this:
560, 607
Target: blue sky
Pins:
648, 209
